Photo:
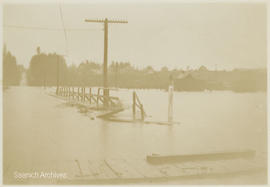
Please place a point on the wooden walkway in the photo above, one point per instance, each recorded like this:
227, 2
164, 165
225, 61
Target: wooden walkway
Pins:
81, 96
89, 102
111, 171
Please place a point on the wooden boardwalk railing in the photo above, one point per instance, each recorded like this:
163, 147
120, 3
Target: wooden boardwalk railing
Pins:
137, 104
81, 95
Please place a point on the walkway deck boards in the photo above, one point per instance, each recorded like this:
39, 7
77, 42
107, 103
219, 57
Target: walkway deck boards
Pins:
109, 170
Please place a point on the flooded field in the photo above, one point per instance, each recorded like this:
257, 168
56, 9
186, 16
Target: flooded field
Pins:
40, 131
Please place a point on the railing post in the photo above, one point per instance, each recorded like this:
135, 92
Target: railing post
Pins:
98, 96
90, 97
134, 104
78, 94
83, 94
142, 112
170, 106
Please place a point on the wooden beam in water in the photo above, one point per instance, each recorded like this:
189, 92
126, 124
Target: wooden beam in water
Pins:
157, 159
142, 121
110, 113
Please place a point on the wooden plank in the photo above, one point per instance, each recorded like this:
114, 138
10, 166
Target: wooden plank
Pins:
138, 169
145, 169
82, 168
222, 167
70, 168
170, 170
123, 170
162, 122
145, 122
190, 168
159, 159
109, 113
99, 170
258, 163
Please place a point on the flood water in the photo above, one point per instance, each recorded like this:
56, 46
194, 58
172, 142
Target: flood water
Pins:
40, 128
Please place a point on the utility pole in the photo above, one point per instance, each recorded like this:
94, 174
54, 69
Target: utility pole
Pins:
105, 64
115, 71
57, 75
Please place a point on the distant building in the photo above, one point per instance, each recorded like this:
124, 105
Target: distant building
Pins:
203, 68
189, 83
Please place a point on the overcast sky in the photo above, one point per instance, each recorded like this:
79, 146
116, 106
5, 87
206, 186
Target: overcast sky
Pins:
176, 35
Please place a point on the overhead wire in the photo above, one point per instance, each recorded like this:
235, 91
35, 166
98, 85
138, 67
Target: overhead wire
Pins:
47, 28
9, 26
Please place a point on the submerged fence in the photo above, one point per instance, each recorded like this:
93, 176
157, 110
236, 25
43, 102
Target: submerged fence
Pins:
80, 94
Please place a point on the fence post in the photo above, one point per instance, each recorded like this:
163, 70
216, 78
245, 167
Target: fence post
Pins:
72, 92
170, 106
83, 94
90, 95
78, 94
98, 96
142, 112
134, 104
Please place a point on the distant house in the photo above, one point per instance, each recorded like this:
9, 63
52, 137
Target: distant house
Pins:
189, 83
203, 68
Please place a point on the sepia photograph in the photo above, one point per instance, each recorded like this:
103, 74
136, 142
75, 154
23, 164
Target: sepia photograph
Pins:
134, 92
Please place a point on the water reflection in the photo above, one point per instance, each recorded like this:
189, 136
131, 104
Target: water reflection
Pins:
103, 138
171, 140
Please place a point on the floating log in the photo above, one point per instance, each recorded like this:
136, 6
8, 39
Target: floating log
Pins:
121, 120
109, 113
158, 159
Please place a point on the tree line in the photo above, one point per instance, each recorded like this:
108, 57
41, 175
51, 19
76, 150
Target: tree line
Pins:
50, 69
12, 72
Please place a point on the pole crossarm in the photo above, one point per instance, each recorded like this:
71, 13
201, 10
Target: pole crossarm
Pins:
102, 21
